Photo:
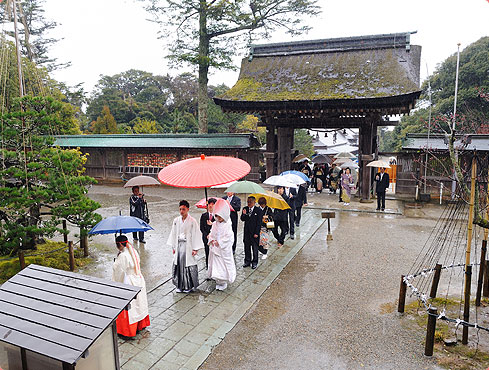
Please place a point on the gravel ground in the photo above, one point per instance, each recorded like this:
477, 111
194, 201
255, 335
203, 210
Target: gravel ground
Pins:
333, 307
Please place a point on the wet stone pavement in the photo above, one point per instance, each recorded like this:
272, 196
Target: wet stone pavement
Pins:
311, 305
186, 327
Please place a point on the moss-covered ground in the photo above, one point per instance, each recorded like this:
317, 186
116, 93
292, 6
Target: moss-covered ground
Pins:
458, 356
48, 254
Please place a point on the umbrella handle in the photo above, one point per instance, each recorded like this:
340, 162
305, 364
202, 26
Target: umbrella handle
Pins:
206, 202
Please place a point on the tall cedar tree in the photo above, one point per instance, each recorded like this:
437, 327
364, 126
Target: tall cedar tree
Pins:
208, 33
105, 123
40, 184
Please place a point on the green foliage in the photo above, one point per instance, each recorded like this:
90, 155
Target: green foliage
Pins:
39, 184
130, 95
46, 254
250, 124
105, 123
303, 142
207, 34
145, 127
38, 82
170, 102
472, 100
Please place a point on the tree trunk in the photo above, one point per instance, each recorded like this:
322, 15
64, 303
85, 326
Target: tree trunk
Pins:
203, 67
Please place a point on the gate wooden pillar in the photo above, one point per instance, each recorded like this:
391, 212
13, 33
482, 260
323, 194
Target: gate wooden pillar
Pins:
365, 140
271, 152
285, 143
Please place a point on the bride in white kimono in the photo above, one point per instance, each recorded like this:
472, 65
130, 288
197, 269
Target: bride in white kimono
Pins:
221, 238
127, 270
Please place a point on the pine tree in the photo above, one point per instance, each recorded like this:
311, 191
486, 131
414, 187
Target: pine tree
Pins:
40, 184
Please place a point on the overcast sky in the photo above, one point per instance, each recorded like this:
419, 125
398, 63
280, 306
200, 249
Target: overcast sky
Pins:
105, 37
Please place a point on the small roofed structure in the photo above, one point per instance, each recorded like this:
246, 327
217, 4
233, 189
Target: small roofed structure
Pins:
53, 319
411, 161
351, 82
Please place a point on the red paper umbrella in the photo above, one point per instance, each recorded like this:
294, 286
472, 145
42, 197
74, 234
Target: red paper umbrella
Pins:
203, 172
203, 204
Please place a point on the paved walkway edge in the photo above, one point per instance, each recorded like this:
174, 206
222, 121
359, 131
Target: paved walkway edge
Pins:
205, 350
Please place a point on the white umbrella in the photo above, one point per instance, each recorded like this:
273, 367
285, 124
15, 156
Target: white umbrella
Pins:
350, 164
295, 179
341, 160
379, 164
277, 180
344, 155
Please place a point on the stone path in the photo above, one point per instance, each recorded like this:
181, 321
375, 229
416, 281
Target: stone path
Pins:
185, 327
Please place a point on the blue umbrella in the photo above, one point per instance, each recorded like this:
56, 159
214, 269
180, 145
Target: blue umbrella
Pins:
303, 175
120, 224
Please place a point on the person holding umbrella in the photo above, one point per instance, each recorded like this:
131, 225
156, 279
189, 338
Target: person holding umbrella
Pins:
280, 218
185, 242
127, 270
137, 208
206, 220
382, 183
236, 204
222, 268
290, 194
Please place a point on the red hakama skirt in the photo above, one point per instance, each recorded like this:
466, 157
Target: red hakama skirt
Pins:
129, 330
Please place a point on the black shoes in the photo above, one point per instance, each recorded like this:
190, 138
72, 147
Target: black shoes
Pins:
253, 266
142, 241
292, 236
246, 265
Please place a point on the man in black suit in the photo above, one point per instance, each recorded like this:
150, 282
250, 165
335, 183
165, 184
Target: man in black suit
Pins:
252, 218
382, 183
206, 220
236, 204
290, 196
300, 200
339, 184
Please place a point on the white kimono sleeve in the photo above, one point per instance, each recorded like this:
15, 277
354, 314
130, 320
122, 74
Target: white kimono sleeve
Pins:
197, 242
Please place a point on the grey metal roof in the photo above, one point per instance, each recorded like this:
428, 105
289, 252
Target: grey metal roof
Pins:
59, 314
168, 141
440, 142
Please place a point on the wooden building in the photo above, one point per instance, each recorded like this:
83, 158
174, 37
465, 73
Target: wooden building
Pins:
411, 162
353, 82
56, 320
126, 156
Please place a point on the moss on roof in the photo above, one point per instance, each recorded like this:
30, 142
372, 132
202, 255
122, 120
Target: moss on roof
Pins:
330, 75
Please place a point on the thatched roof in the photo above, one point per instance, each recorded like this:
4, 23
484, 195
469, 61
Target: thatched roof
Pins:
347, 68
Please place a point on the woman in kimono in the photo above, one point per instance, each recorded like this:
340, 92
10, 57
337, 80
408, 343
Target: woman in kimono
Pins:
127, 270
185, 240
346, 184
221, 238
